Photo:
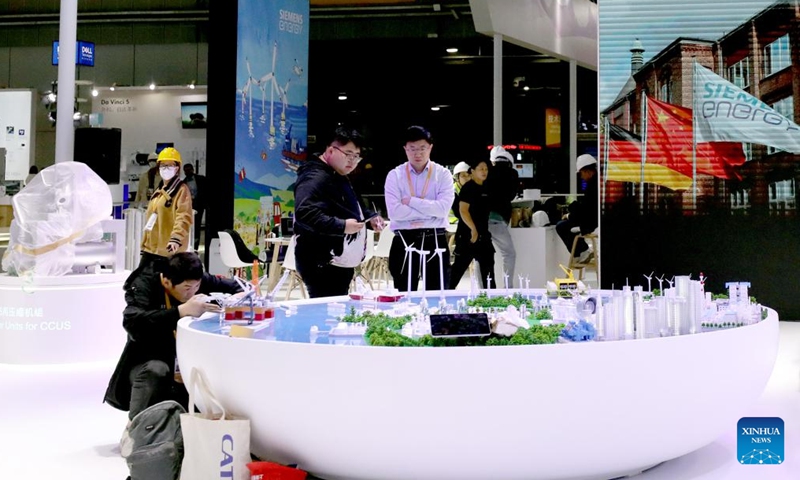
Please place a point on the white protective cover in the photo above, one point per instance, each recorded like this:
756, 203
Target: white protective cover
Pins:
62, 206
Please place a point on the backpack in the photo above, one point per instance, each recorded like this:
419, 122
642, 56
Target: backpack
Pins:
153, 446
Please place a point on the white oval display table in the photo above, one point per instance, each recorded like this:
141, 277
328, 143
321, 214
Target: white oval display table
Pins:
57, 320
594, 410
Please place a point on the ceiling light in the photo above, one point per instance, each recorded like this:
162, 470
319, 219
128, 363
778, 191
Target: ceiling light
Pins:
191, 86
113, 86
342, 97
94, 92
152, 86
526, 88
435, 109
452, 50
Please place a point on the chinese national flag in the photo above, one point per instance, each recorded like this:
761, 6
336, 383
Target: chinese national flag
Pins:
669, 141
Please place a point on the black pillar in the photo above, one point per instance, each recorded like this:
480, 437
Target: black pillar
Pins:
221, 133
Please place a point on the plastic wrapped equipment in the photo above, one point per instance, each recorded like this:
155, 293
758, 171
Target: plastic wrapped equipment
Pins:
61, 207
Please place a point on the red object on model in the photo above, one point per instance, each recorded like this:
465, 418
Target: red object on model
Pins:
274, 471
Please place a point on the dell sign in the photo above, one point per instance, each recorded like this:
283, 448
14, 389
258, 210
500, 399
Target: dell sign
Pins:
84, 53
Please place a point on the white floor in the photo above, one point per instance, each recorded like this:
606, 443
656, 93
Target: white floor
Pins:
54, 426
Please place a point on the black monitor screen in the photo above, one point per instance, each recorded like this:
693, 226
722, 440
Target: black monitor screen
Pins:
460, 325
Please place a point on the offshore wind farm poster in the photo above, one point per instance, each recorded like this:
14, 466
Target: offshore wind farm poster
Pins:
271, 111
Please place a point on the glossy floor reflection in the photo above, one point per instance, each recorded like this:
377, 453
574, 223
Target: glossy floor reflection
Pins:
53, 425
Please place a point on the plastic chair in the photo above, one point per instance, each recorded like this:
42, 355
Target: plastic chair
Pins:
295, 281
591, 264
364, 269
379, 265
230, 254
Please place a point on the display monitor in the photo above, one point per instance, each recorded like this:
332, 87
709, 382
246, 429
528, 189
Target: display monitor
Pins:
460, 325
162, 145
193, 114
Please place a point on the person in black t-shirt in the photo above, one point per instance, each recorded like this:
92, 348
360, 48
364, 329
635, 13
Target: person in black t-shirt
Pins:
473, 240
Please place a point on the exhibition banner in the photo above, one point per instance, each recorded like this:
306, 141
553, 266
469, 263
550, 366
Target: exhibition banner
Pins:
669, 136
688, 87
271, 109
725, 112
625, 163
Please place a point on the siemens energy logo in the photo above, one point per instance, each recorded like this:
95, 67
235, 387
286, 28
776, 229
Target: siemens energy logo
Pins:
760, 441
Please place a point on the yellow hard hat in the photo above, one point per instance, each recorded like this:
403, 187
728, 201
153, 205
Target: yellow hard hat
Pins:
169, 154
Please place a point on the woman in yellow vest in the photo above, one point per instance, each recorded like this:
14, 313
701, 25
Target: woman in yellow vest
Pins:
169, 212
461, 175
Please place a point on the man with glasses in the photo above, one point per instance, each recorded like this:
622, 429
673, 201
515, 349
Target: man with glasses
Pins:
329, 219
419, 195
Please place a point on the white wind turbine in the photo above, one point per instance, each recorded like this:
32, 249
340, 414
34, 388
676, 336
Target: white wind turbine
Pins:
407, 257
246, 98
265, 82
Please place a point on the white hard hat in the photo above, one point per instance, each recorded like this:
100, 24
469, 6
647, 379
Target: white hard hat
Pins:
500, 154
461, 167
540, 219
584, 161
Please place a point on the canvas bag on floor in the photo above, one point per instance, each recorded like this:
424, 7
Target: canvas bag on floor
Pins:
215, 444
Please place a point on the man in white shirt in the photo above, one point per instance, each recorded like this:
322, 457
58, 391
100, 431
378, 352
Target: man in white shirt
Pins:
419, 195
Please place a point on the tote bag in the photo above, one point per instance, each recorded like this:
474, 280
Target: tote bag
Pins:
215, 444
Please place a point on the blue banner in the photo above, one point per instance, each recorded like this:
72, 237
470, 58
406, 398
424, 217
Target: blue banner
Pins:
271, 112
84, 53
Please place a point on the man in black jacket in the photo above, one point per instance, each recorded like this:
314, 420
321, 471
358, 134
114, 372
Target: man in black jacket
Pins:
145, 374
503, 186
583, 214
329, 220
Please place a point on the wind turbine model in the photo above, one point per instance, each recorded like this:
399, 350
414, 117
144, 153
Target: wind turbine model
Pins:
649, 279
661, 284
422, 254
440, 252
407, 258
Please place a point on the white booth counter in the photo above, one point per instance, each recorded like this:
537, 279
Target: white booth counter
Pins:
591, 410
56, 320
539, 253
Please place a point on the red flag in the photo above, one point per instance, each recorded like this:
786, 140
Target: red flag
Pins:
669, 141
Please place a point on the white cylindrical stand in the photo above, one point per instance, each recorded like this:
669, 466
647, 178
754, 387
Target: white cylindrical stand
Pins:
497, 136
67, 36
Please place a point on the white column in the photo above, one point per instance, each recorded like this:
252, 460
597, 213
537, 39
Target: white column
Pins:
67, 36
497, 136
573, 126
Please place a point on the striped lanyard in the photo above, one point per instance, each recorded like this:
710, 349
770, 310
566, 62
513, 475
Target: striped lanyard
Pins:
427, 180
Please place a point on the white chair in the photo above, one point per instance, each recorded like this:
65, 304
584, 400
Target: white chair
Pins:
364, 269
227, 252
295, 281
379, 268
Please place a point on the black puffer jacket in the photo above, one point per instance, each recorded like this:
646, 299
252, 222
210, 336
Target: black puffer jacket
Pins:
323, 201
151, 326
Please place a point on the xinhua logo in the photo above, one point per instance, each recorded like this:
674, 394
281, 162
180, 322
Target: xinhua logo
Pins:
760, 441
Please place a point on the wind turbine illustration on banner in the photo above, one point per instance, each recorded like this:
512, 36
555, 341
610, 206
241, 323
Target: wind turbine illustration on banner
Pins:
266, 82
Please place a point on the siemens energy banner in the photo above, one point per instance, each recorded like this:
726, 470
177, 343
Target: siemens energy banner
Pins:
271, 112
700, 144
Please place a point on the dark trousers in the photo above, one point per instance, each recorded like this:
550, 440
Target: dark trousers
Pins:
564, 230
465, 252
424, 239
324, 280
153, 382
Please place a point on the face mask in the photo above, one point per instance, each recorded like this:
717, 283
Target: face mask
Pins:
167, 173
